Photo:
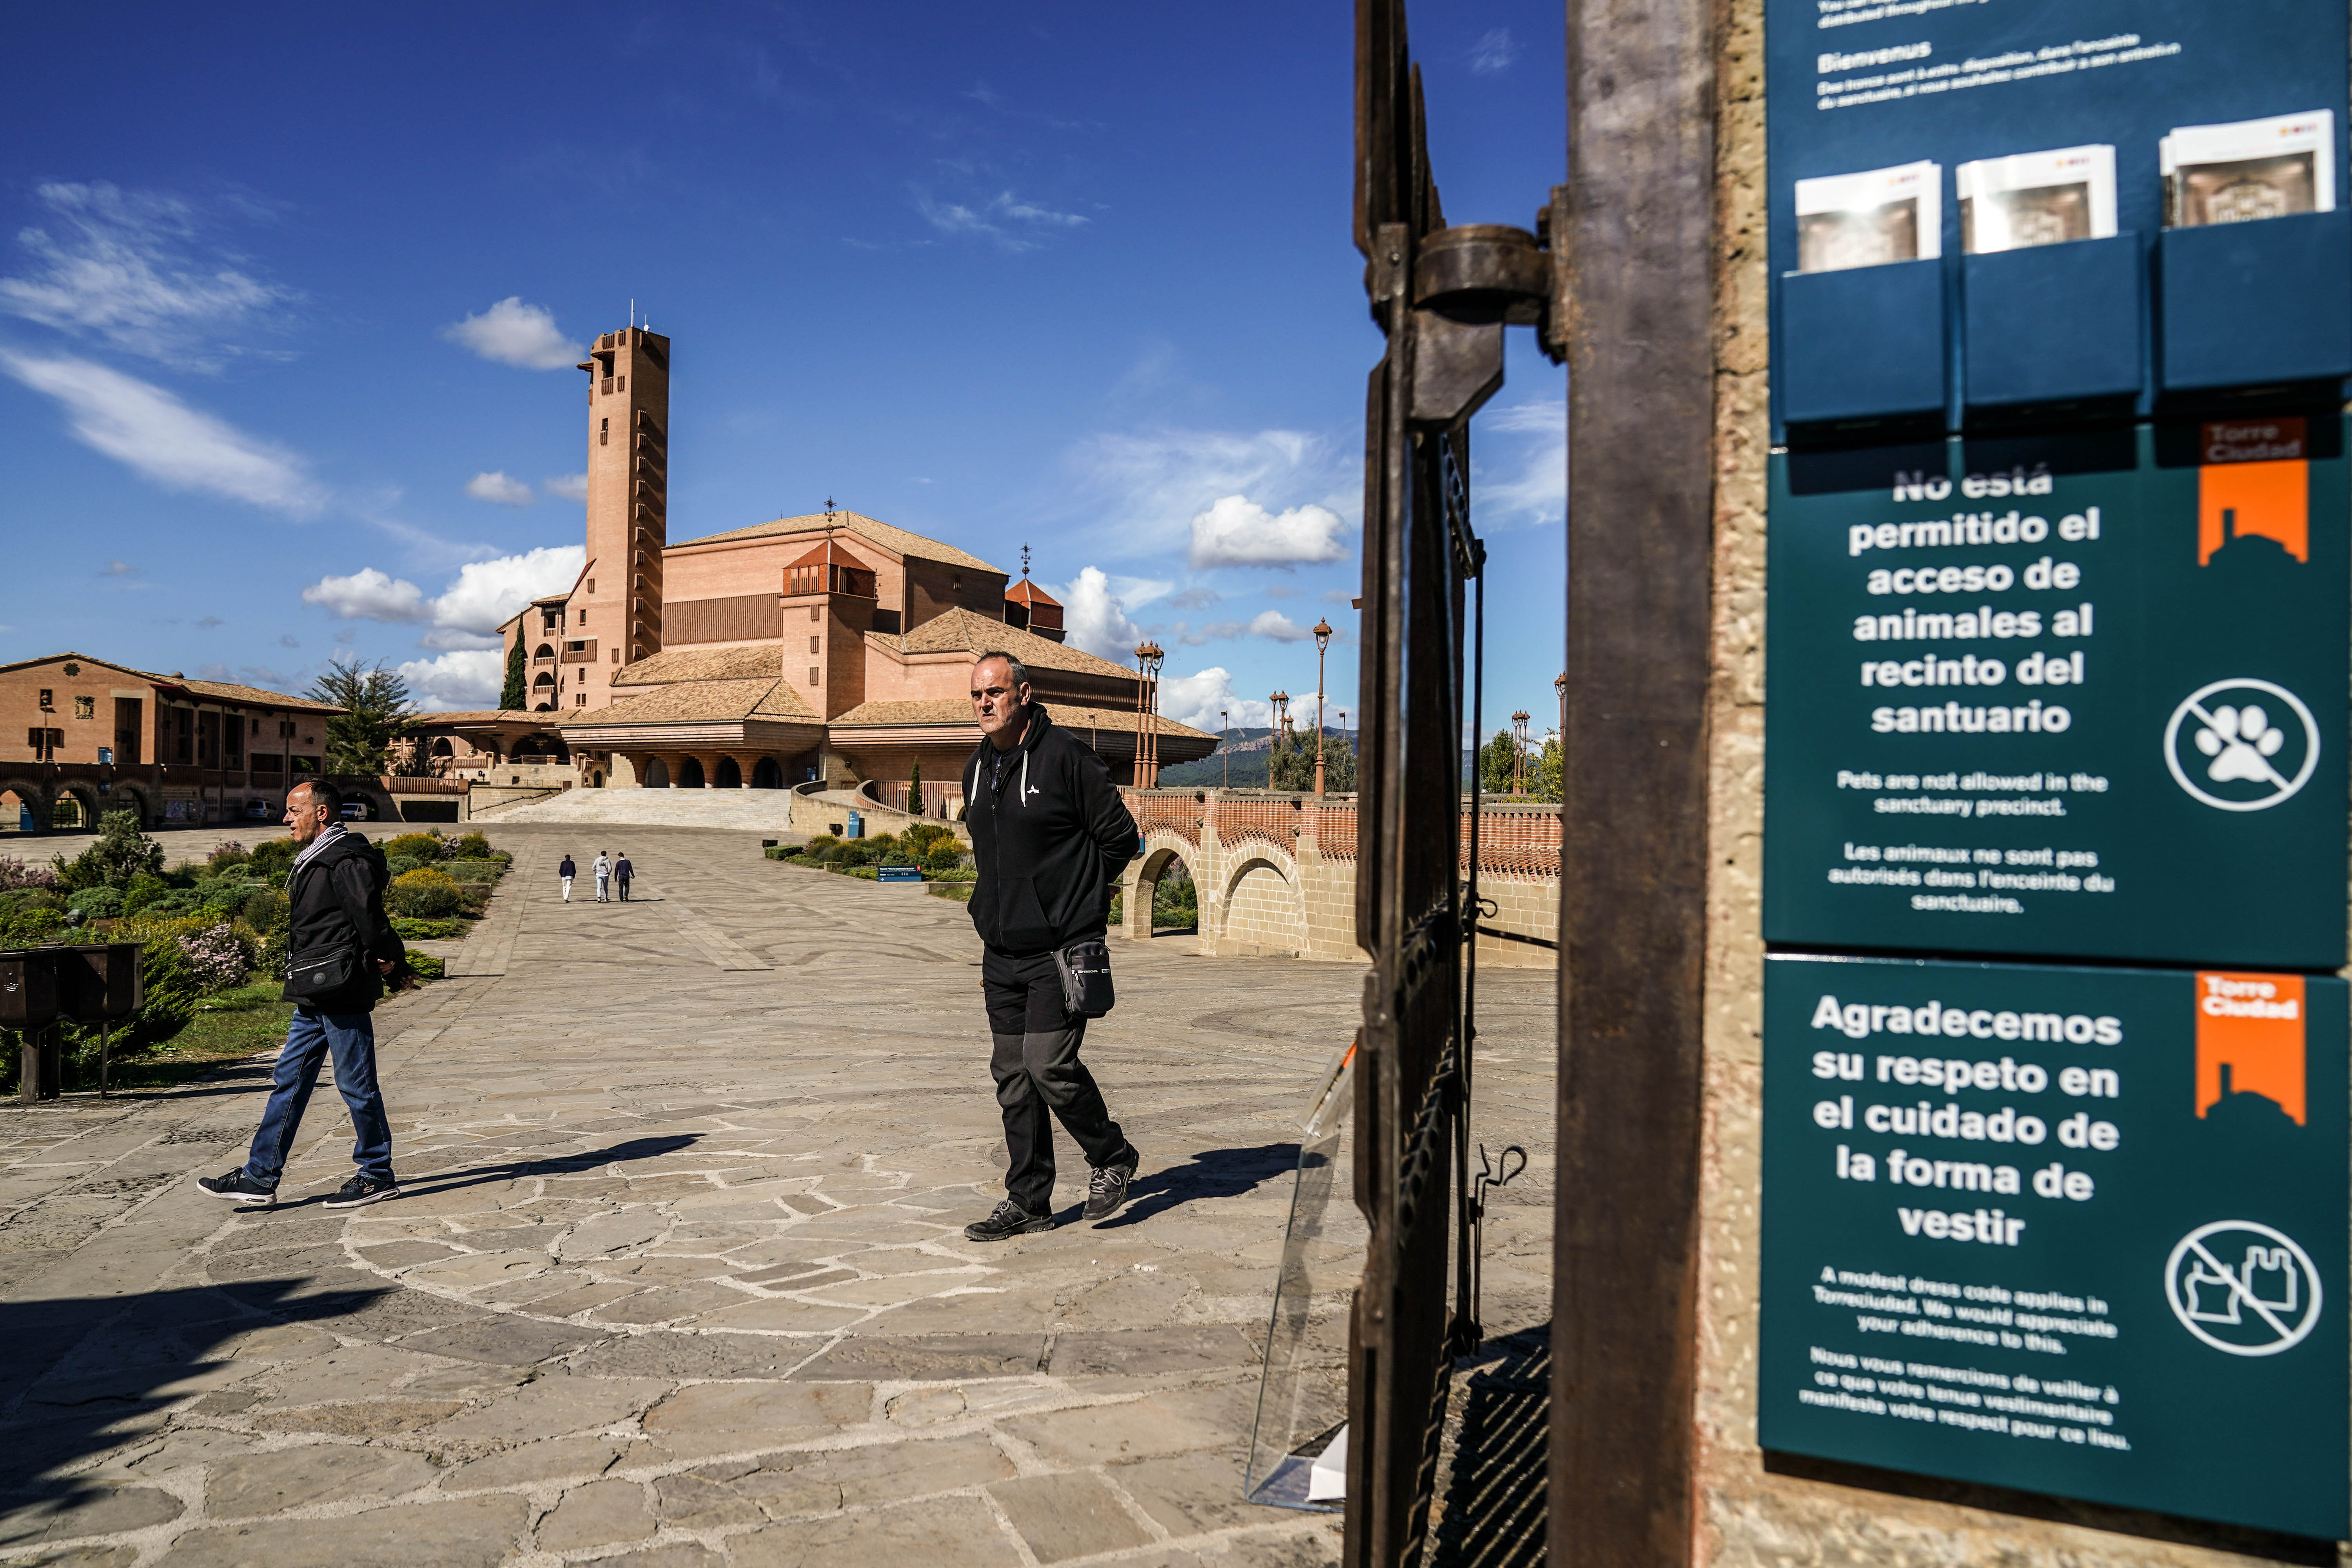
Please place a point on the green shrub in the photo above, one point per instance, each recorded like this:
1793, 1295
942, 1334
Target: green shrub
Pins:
224, 895
23, 926
944, 857
265, 910
423, 895
120, 853
269, 961
428, 931
959, 892
481, 871
424, 848
99, 904
426, 965
473, 899
274, 857
143, 891
954, 874
170, 992
228, 852
398, 866
471, 847
866, 872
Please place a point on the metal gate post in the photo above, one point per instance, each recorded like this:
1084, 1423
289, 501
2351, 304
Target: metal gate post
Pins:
1635, 230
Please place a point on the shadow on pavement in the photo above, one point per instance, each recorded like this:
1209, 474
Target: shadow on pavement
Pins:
85, 1374
1211, 1173
450, 1181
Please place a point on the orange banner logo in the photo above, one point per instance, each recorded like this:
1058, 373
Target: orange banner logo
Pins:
2250, 1039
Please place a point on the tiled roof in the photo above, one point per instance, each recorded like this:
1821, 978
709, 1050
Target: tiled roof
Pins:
702, 664
957, 710
897, 540
77, 657
1024, 592
963, 631
480, 716
703, 703
229, 691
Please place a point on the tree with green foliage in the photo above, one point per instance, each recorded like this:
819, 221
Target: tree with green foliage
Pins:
915, 787
1292, 764
376, 709
511, 695
1544, 770
120, 853
1495, 763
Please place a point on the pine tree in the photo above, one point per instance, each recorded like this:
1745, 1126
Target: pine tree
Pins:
376, 710
915, 788
511, 695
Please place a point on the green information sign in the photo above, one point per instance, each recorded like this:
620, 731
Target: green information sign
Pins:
2073, 1231
2073, 696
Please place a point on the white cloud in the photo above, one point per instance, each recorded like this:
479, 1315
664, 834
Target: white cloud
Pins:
465, 617
1533, 487
456, 682
495, 486
1280, 627
1197, 699
570, 486
1134, 592
142, 426
1197, 598
488, 592
1237, 531
1096, 619
512, 332
1493, 53
115, 264
368, 594
1152, 486
1004, 219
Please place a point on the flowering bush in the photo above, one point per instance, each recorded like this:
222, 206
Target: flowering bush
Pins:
217, 957
16, 873
226, 853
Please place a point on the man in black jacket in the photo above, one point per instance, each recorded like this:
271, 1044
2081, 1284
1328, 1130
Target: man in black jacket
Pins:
336, 932
1049, 834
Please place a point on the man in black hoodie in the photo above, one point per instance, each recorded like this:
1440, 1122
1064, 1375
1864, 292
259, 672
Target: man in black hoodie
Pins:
1049, 836
335, 927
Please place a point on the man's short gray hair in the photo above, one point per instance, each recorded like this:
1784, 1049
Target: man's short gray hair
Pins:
1018, 671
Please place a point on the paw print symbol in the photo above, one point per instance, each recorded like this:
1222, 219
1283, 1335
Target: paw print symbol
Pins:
2241, 740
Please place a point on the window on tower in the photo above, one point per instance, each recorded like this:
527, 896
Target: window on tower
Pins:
603, 431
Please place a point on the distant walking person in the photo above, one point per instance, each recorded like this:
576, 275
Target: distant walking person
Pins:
604, 869
567, 871
1049, 834
622, 872
340, 952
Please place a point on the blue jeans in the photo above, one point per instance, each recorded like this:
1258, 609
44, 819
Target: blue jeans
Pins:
351, 1036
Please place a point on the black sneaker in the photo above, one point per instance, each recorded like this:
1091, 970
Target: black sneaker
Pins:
1106, 1191
238, 1187
360, 1191
1010, 1219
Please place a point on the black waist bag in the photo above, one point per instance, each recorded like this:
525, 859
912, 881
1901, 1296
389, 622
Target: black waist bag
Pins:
310, 978
1085, 978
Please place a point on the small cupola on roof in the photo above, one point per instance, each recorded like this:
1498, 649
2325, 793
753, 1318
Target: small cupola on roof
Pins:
1032, 609
829, 569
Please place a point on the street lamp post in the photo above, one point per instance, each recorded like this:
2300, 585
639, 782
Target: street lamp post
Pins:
1225, 742
1519, 751
1322, 643
1147, 656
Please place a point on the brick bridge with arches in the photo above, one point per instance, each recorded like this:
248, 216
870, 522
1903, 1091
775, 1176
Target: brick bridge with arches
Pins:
1276, 873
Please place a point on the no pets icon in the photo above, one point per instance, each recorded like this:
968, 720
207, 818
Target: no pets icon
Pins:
2235, 746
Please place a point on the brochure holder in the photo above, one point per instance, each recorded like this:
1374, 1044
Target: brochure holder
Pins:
2260, 303
1866, 343
2053, 325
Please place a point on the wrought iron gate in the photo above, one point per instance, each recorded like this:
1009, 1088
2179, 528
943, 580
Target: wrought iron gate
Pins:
1443, 296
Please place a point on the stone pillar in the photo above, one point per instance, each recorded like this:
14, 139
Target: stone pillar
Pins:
1208, 877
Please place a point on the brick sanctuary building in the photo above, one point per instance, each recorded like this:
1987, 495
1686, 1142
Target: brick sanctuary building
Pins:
80, 736
829, 647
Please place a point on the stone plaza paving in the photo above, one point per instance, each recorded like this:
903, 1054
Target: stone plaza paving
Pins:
679, 1277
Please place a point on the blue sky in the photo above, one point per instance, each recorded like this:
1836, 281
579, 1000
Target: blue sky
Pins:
290, 297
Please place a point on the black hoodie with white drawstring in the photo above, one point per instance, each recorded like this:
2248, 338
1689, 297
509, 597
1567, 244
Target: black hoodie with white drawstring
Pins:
1049, 837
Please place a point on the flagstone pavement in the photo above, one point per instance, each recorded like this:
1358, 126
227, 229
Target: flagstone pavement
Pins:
679, 1277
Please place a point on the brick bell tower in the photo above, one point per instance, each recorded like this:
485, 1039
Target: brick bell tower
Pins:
616, 616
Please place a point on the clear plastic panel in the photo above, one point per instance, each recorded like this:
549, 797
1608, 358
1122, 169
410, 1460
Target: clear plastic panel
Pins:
1302, 1400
